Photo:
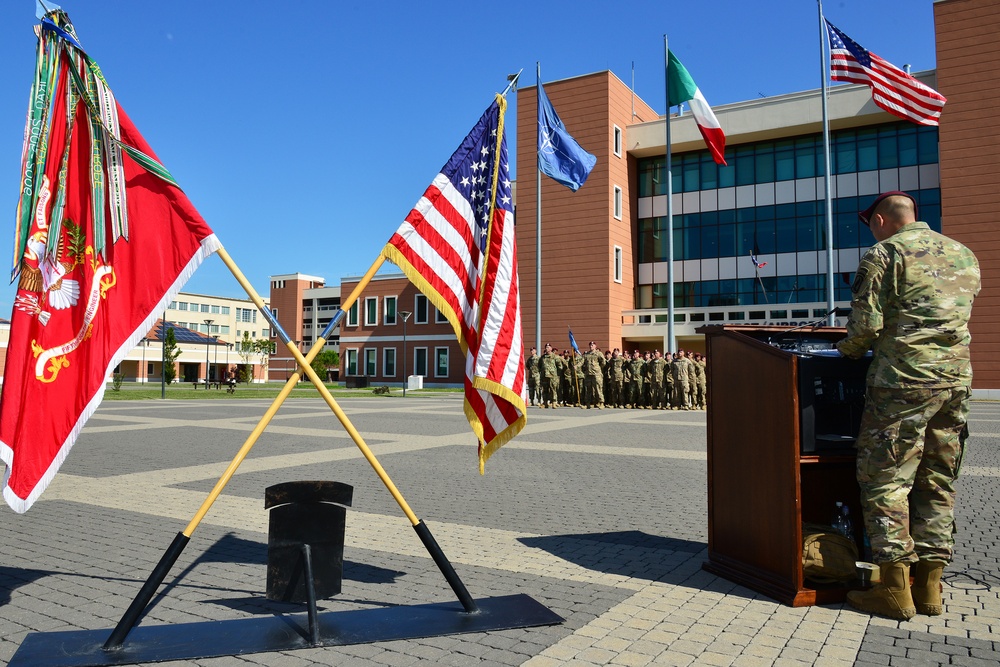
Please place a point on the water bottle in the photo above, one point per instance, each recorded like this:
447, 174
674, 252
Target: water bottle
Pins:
838, 514
846, 524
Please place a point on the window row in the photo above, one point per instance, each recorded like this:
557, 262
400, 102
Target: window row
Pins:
201, 327
780, 228
774, 290
417, 366
887, 146
390, 314
198, 307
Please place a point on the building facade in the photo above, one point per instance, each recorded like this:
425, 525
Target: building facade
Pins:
303, 306
768, 202
393, 332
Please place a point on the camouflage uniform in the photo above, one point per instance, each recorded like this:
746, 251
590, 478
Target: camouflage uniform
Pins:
593, 378
636, 371
668, 380
681, 388
533, 371
550, 378
701, 382
912, 299
616, 380
654, 371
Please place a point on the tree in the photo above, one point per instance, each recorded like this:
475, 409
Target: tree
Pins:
324, 361
247, 348
170, 354
264, 349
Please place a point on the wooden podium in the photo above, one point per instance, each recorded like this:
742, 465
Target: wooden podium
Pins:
761, 486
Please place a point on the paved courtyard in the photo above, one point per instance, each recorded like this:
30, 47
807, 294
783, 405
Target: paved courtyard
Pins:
599, 515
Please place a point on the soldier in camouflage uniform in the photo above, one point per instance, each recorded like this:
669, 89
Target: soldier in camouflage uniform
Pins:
682, 389
593, 377
636, 372
550, 376
668, 380
911, 302
654, 372
533, 371
616, 379
701, 399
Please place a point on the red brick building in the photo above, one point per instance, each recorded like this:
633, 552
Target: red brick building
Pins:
373, 349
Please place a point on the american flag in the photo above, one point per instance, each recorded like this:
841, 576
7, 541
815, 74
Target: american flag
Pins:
892, 89
457, 246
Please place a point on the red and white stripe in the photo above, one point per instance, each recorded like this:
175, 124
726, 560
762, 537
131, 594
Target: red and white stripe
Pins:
436, 248
893, 89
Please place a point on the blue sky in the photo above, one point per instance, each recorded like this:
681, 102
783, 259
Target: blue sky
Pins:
320, 124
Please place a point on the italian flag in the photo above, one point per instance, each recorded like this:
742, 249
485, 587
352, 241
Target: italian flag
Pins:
682, 88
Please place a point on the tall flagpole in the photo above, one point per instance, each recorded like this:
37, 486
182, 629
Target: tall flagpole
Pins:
828, 197
671, 340
538, 216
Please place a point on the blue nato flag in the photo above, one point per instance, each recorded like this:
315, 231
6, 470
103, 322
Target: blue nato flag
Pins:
559, 156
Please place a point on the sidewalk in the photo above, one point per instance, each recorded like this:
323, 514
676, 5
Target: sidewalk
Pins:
598, 514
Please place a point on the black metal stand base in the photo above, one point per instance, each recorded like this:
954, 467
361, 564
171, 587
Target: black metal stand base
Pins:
189, 641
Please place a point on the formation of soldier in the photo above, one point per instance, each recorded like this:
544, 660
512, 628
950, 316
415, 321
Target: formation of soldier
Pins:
598, 379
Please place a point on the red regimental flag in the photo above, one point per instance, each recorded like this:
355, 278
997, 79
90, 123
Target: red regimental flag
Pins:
79, 311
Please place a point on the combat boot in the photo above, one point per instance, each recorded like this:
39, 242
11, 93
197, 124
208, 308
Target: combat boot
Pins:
927, 587
891, 597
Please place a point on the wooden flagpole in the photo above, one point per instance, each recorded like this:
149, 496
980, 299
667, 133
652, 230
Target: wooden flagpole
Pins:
142, 599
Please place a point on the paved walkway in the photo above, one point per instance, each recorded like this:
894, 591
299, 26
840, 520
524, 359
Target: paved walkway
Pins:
599, 515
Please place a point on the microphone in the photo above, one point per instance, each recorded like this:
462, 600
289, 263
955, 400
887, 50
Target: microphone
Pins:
842, 312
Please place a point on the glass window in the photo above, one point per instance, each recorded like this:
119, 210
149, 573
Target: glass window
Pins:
204, 308
370, 358
389, 362
390, 310
352, 315
618, 263
215, 310
439, 317
618, 203
371, 311
420, 361
420, 309
225, 310
352, 362
441, 362
617, 140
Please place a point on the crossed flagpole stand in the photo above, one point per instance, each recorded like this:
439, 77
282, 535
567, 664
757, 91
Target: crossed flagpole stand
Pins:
246, 636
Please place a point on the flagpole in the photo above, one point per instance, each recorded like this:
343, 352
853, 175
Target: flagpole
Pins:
828, 198
419, 526
671, 340
538, 216
170, 556
142, 599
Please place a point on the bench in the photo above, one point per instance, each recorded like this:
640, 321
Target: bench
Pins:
216, 383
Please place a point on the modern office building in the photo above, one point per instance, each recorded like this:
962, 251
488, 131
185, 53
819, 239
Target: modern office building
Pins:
604, 248
603, 260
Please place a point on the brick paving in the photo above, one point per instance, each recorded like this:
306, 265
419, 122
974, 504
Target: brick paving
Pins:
599, 515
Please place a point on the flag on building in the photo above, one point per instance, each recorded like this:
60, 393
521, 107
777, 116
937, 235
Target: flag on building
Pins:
104, 239
893, 89
681, 88
457, 246
559, 155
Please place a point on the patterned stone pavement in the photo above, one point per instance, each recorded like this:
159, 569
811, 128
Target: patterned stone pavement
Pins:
599, 515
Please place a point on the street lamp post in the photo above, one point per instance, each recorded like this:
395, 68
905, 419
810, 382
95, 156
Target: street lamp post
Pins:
145, 344
208, 330
405, 314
